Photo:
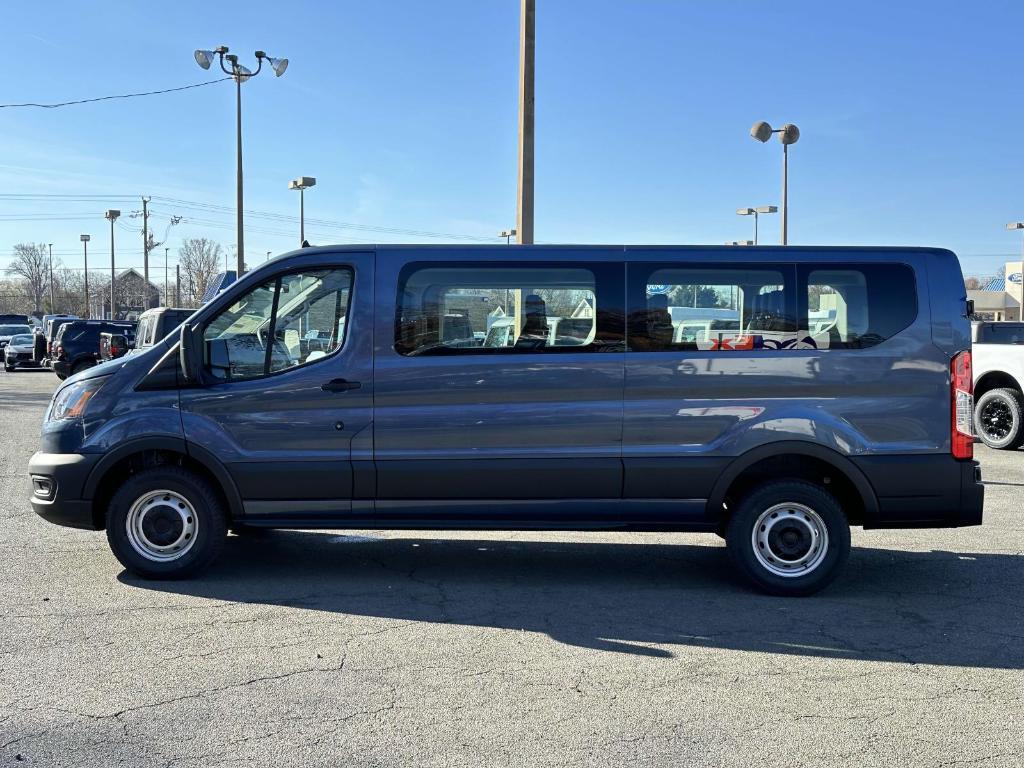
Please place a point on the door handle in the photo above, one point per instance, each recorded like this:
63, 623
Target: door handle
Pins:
340, 385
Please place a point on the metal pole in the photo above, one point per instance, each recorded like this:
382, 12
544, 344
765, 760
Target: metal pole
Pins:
167, 295
85, 246
302, 216
527, 46
755, 226
51, 278
145, 250
785, 194
177, 285
238, 126
113, 304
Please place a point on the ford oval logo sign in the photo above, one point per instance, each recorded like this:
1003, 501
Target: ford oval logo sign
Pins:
654, 290
1016, 277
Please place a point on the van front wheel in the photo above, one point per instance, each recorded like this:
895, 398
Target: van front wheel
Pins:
166, 523
789, 537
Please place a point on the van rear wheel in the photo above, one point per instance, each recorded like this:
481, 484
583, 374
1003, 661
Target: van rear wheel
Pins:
788, 537
997, 418
166, 523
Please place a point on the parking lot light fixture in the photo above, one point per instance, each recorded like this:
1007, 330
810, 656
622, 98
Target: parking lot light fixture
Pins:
302, 184
755, 212
1018, 225
85, 248
788, 134
112, 215
240, 74
739, 242
508, 234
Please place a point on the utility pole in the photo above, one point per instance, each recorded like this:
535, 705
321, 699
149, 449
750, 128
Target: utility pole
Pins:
167, 296
51, 278
177, 285
145, 249
527, 45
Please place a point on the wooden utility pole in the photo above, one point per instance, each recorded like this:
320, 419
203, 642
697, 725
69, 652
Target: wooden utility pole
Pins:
524, 201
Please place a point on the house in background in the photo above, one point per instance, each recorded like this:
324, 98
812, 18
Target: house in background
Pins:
133, 295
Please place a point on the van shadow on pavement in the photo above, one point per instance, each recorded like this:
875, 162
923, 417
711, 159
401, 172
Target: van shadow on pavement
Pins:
889, 605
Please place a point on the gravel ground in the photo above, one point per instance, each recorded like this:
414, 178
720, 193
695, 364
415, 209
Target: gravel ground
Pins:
375, 648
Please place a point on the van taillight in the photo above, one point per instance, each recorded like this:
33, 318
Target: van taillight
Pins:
961, 392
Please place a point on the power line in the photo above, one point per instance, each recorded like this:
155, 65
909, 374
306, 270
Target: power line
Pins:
119, 96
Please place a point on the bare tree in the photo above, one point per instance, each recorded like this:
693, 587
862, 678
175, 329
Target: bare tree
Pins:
972, 283
32, 262
200, 261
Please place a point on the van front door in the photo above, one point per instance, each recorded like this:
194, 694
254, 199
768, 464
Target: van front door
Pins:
286, 389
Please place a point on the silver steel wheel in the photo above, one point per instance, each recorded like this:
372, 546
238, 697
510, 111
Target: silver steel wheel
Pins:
162, 526
789, 539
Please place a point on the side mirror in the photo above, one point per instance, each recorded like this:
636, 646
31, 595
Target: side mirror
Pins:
187, 354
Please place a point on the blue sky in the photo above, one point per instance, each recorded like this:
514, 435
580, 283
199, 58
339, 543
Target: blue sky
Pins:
406, 113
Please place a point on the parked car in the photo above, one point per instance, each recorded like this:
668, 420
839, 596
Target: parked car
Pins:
113, 345
998, 377
155, 324
51, 327
7, 332
77, 345
18, 352
832, 389
15, 319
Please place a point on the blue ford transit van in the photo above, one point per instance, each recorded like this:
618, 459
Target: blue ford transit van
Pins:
774, 396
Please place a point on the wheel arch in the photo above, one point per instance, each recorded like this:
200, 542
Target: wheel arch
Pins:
154, 451
797, 459
994, 380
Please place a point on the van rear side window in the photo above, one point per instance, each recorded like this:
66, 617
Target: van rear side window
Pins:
760, 308
709, 308
858, 306
493, 309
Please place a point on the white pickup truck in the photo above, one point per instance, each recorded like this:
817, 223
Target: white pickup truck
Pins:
998, 362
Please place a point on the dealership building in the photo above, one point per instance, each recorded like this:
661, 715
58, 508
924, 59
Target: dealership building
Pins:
1001, 297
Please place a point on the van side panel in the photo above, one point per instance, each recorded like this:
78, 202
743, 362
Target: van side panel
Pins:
690, 412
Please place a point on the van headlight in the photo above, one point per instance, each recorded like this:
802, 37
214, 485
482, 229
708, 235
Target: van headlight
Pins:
70, 402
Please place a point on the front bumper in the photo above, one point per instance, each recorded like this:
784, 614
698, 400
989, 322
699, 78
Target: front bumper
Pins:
60, 367
58, 482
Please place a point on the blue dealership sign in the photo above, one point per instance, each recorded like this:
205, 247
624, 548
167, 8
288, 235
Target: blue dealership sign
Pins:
653, 290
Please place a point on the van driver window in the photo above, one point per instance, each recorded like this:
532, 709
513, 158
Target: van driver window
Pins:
711, 309
290, 321
495, 309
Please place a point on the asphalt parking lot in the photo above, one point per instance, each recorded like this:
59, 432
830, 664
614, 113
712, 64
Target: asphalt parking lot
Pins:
374, 648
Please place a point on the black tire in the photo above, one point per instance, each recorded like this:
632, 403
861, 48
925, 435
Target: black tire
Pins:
185, 488
9, 368
823, 555
82, 366
997, 419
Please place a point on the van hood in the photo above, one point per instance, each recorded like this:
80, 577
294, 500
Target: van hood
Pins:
137, 364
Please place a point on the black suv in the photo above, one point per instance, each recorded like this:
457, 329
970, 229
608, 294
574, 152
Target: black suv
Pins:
77, 344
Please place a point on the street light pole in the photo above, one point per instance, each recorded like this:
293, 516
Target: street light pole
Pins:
755, 212
85, 248
302, 184
112, 216
51, 277
167, 296
240, 73
788, 134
